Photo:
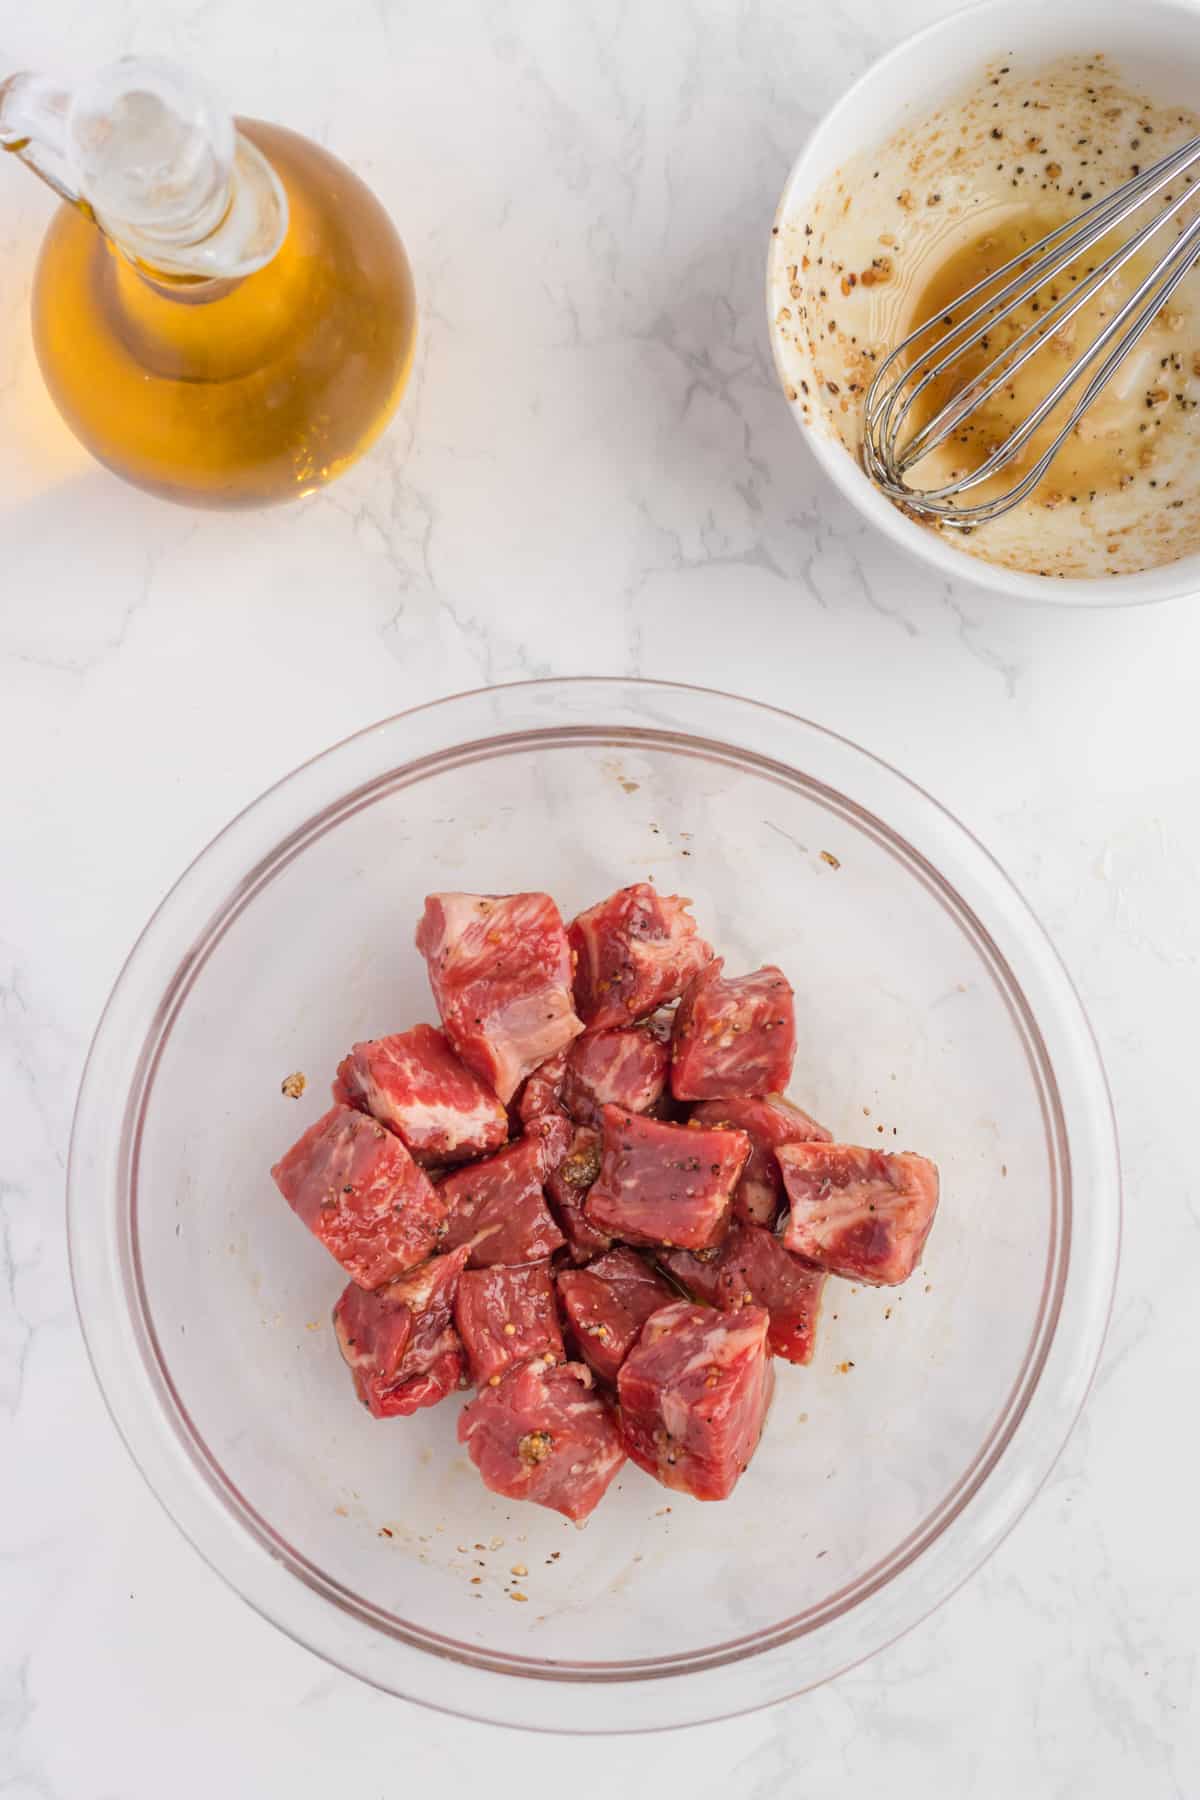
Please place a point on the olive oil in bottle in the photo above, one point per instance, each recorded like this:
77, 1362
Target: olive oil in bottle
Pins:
223, 313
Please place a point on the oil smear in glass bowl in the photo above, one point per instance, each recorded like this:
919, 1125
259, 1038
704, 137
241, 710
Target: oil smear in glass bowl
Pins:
898, 235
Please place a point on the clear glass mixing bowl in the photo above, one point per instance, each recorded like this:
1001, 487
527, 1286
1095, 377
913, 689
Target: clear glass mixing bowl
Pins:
933, 1014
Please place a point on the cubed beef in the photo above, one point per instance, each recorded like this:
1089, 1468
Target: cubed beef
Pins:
505, 1316
399, 1341
498, 1208
357, 1188
542, 1091
767, 1123
500, 969
752, 1268
733, 1037
544, 1434
664, 1184
568, 1187
608, 1303
414, 1083
858, 1213
694, 1392
538, 1113
620, 1067
553, 1133
635, 951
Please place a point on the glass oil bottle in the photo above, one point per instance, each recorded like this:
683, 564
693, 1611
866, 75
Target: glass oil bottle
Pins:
222, 311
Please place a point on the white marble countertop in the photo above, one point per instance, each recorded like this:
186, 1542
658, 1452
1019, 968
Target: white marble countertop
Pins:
592, 472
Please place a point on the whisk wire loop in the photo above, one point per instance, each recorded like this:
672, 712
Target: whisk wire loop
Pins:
888, 456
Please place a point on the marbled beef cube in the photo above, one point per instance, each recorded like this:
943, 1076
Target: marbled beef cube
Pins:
858, 1212
634, 952
544, 1434
399, 1341
733, 1037
537, 1112
752, 1268
664, 1184
541, 1092
501, 973
554, 1134
413, 1082
356, 1187
608, 1302
506, 1316
694, 1392
497, 1207
626, 1066
767, 1122
568, 1188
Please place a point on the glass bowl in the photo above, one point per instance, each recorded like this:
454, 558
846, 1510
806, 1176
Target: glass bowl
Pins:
933, 1014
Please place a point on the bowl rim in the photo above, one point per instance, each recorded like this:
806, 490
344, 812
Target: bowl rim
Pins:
1143, 587
99, 1257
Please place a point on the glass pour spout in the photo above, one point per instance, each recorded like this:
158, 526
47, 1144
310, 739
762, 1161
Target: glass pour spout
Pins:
156, 160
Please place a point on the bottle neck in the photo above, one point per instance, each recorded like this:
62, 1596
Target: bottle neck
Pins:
239, 233
219, 329
158, 164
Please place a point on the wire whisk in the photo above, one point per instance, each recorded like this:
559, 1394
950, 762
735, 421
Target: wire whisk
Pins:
892, 448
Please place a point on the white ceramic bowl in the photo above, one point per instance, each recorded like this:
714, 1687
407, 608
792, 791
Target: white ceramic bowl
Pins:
1155, 44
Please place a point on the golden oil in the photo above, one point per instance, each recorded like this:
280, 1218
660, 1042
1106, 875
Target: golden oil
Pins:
1117, 434
237, 392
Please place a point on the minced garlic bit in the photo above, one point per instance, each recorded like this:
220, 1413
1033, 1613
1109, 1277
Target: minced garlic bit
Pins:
518, 1569
294, 1085
517, 1595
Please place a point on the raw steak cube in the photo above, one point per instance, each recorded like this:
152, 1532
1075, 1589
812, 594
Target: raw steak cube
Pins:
414, 1083
621, 1067
733, 1037
357, 1188
553, 1133
752, 1268
694, 1392
399, 1341
858, 1213
664, 1184
500, 969
544, 1435
504, 1317
542, 1092
498, 1208
634, 951
767, 1123
568, 1187
539, 1114
608, 1303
